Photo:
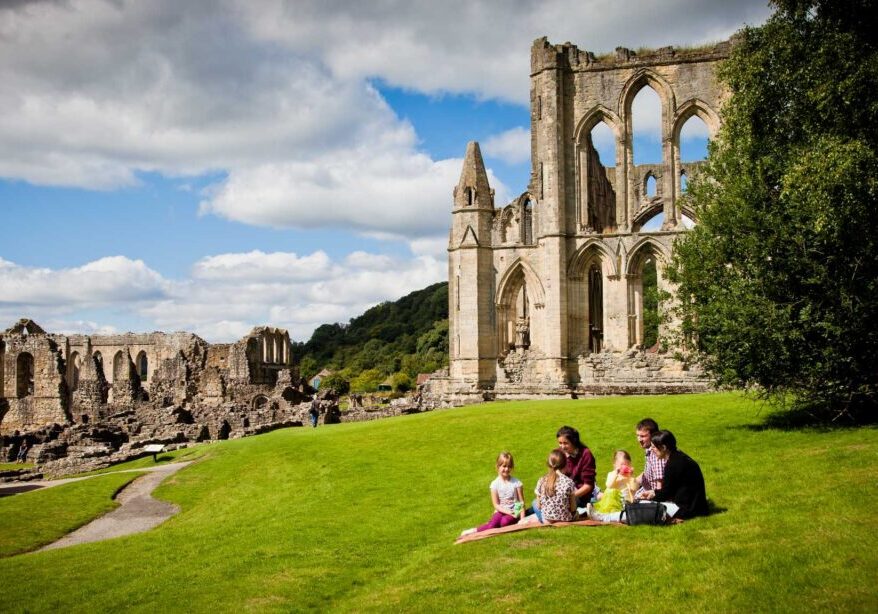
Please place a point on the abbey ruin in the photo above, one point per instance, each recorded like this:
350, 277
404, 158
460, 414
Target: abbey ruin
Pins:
79, 398
546, 292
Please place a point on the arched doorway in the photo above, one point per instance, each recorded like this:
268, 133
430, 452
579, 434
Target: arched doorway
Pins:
645, 296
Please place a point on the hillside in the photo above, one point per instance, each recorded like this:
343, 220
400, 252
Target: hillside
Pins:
407, 336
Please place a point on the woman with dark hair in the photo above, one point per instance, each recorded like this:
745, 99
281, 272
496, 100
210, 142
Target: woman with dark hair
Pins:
683, 482
580, 465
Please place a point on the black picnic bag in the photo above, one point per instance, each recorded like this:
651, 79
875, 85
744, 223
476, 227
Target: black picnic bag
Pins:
644, 512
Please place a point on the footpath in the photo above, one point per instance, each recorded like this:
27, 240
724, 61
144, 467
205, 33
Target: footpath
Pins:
137, 511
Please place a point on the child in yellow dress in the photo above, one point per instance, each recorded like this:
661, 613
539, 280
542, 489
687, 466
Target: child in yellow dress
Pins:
621, 486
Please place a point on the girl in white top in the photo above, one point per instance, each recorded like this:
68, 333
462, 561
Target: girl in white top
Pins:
507, 496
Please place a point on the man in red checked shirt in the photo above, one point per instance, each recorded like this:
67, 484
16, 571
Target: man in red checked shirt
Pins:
654, 467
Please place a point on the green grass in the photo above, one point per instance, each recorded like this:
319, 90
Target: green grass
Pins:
183, 454
363, 516
12, 466
37, 518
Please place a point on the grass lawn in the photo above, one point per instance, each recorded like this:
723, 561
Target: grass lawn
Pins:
34, 519
13, 466
363, 516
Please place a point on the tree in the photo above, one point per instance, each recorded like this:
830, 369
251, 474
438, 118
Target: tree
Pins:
335, 384
367, 381
401, 382
778, 282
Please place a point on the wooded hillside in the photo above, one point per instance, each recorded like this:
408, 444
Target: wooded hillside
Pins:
399, 339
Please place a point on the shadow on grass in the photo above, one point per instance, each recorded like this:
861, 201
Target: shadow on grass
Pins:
809, 419
713, 509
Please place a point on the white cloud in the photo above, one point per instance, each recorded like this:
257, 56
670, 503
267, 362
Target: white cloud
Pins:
224, 298
276, 93
111, 279
396, 192
512, 146
481, 46
257, 265
393, 194
436, 247
694, 130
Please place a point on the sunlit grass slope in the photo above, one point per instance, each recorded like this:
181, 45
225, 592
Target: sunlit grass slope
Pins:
39, 518
363, 517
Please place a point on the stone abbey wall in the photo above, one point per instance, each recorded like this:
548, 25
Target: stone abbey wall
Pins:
92, 396
546, 292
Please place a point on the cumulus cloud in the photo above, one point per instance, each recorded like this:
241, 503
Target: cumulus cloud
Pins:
512, 146
111, 279
226, 295
276, 92
472, 46
257, 265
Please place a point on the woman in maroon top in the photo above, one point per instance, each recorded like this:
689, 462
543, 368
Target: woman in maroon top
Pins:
580, 463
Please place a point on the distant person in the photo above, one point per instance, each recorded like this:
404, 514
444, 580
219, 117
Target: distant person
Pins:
580, 464
653, 467
22, 453
556, 493
683, 482
314, 412
507, 497
621, 486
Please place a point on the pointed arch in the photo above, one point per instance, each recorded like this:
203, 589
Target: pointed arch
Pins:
520, 298
646, 213
508, 227
638, 81
596, 193
639, 313
597, 114
580, 258
693, 107
535, 286
644, 247
74, 367
699, 108
142, 366
587, 270
120, 368
526, 206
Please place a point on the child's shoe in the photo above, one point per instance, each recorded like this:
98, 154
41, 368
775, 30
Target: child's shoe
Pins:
467, 532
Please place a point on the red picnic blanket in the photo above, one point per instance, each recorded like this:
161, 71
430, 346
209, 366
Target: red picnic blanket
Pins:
522, 527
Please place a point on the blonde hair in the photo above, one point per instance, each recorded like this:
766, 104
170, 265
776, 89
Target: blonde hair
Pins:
623, 454
556, 461
505, 458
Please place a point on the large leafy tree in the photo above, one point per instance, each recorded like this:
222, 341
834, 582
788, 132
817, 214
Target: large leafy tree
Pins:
778, 282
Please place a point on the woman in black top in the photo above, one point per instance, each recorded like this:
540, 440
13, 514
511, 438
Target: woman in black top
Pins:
683, 483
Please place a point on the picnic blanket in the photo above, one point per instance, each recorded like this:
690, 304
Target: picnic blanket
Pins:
523, 527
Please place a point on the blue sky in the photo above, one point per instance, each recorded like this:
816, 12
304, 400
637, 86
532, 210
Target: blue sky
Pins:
215, 165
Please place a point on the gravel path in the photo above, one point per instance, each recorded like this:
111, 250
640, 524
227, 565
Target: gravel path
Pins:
137, 511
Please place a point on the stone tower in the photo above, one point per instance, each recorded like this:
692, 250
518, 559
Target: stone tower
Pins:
470, 266
546, 293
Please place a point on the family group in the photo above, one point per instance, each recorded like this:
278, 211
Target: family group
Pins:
568, 492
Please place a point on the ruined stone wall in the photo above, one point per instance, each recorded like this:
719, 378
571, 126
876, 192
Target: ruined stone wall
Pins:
99, 396
34, 390
556, 276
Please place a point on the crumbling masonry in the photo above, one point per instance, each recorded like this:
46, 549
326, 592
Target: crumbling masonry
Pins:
82, 397
546, 293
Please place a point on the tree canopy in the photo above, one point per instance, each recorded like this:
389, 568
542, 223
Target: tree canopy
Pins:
778, 282
400, 338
